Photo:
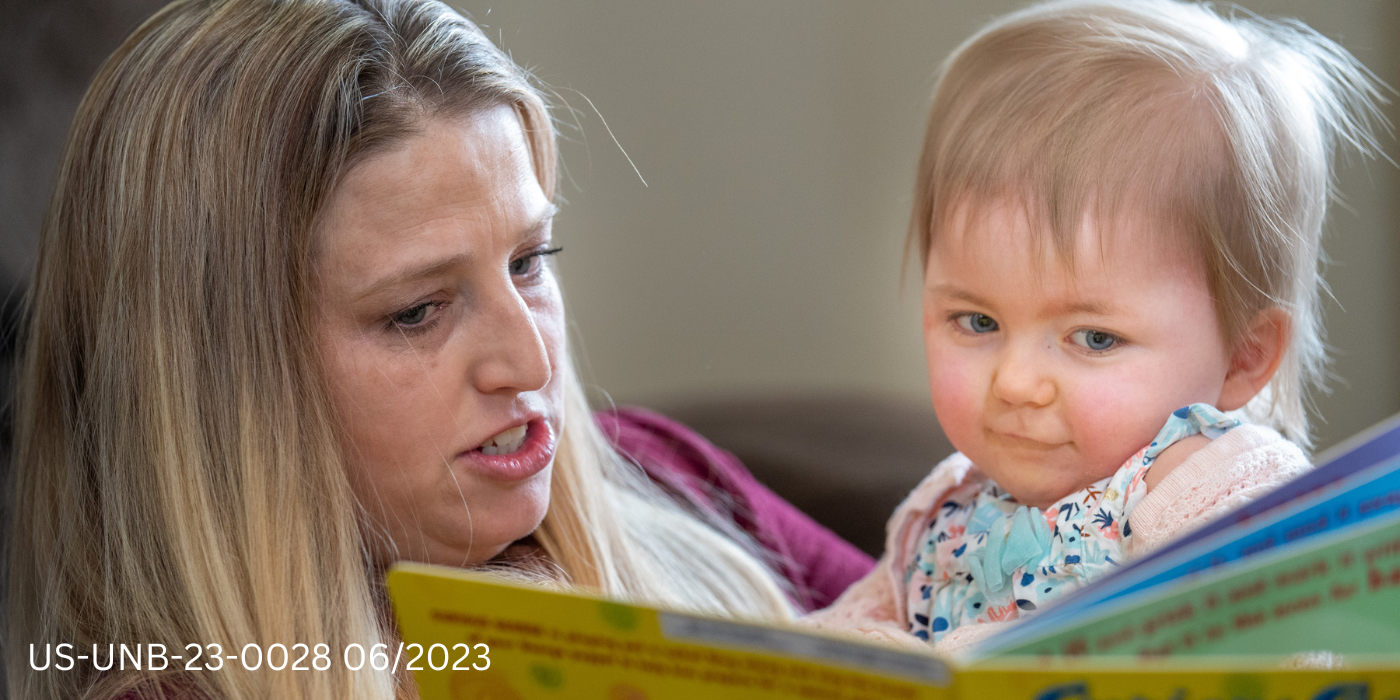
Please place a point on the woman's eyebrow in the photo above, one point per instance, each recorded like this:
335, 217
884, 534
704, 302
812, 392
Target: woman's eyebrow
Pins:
437, 267
414, 273
541, 222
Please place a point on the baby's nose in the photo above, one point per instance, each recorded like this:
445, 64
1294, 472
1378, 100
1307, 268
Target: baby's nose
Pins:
1023, 378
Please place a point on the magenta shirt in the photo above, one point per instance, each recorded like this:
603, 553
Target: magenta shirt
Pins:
817, 562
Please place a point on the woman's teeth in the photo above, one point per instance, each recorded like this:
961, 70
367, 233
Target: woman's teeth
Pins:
506, 442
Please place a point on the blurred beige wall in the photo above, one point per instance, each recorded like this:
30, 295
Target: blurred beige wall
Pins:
778, 141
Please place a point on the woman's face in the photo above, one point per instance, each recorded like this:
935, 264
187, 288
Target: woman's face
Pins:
441, 331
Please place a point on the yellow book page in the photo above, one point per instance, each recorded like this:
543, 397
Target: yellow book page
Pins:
469, 637
473, 638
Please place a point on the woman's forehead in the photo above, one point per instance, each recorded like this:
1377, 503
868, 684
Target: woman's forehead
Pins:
473, 160
454, 187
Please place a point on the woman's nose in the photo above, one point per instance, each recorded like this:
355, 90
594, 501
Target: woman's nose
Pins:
1023, 376
512, 356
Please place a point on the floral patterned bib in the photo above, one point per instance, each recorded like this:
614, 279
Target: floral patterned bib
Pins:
987, 558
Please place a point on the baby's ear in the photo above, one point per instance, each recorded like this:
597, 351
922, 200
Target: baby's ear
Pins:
1255, 357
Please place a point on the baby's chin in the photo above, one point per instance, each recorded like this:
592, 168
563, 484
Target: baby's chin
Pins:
1040, 485
1035, 496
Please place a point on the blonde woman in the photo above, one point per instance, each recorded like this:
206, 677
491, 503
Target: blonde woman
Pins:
293, 320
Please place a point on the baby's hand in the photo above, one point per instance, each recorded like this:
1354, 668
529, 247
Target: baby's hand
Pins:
1172, 457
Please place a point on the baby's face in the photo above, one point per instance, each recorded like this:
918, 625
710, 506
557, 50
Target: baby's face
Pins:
1050, 380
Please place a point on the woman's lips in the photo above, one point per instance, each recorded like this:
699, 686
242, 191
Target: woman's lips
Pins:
536, 453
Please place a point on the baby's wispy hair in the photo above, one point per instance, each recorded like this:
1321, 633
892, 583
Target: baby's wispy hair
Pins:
1219, 127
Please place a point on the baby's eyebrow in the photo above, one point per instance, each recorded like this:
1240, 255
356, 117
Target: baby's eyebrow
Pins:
1092, 308
959, 294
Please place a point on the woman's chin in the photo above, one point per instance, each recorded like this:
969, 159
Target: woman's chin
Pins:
506, 521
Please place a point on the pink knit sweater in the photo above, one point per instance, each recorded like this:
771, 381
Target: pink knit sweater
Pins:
1233, 469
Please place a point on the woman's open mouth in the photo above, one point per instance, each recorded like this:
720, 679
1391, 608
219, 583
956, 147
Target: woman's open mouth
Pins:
506, 442
516, 453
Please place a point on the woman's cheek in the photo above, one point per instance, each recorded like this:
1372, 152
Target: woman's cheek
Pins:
550, 318
548, 311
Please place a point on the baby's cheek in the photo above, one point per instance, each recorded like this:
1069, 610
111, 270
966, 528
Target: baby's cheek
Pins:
957, 398
1113, 418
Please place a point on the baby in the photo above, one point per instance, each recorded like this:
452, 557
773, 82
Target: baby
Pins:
1117, 210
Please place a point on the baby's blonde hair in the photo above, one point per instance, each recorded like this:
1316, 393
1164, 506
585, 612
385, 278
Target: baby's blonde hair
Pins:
1220, 127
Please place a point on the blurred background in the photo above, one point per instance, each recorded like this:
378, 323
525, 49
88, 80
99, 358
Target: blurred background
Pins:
738, 181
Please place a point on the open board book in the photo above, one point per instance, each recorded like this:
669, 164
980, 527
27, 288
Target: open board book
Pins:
1226, 612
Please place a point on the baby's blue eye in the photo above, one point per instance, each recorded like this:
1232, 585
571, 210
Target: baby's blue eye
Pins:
977, 323
1094, 340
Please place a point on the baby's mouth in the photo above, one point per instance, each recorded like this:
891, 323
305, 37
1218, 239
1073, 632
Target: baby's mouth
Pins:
1023, 442
505, 442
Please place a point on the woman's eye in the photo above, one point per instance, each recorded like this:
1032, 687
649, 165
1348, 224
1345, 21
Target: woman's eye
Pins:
1094, 340
977, 323
413, 316
529, 263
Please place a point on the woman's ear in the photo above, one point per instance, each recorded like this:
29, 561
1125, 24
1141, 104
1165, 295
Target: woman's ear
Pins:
1255, 357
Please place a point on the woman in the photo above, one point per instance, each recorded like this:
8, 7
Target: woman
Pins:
292, 321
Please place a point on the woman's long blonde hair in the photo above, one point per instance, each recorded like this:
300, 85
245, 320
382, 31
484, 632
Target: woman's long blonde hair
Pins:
178, 477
